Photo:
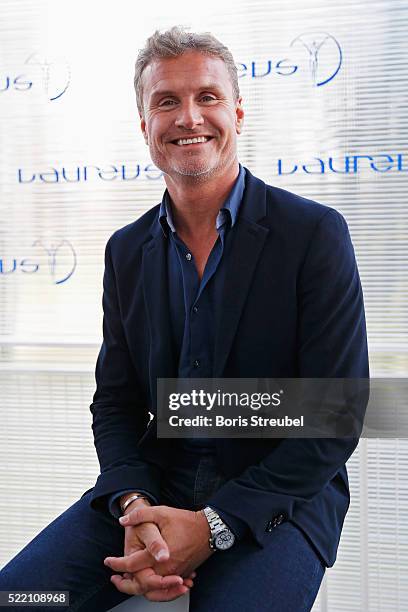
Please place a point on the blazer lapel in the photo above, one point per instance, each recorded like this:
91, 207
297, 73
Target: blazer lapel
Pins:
155, 283
248, 244
248, 241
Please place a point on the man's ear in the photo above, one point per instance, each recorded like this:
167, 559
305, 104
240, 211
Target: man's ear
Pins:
239, 112
143, 128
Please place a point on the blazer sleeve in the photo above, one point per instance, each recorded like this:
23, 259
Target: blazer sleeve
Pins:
331, 344
120, 414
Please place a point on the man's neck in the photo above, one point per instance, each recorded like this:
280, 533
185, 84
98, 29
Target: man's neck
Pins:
195, 204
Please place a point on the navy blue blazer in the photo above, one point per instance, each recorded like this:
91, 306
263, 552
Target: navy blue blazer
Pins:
292, 307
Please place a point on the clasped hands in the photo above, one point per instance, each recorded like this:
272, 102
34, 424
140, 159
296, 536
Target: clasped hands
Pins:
163, 546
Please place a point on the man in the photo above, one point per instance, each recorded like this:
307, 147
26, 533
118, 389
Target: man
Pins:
227, 277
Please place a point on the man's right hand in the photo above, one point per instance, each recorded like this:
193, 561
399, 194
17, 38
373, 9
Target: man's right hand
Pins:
146, 582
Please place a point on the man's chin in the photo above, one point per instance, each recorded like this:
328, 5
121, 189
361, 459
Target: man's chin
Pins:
193, 170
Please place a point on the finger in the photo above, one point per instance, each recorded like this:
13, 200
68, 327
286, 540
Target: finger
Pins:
188, 583
151, 537
166, 594
144, 581
152, 583
142, 514
134, 562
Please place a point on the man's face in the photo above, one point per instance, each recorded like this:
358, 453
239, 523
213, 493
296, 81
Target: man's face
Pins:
186, 97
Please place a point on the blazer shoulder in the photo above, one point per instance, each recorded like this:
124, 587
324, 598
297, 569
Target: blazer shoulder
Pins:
135, 233
286, 209
296, 209
303, 221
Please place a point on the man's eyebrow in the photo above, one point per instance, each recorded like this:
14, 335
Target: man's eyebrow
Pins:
162, 92
168, 92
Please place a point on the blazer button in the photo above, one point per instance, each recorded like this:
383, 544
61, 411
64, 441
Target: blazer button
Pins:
269, 526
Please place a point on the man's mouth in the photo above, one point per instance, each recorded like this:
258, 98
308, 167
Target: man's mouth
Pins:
182, 142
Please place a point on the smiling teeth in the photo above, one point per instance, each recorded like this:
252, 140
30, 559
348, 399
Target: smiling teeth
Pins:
185, 141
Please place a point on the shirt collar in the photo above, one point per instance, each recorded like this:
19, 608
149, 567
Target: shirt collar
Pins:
228, 211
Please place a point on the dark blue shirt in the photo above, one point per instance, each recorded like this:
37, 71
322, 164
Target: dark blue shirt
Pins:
193, 303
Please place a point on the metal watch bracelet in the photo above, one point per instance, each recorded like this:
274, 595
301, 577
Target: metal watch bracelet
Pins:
222, 537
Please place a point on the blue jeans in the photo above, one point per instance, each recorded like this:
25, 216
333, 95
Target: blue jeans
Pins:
68, 555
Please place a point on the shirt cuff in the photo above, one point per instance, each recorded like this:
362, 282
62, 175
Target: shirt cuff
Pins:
238, 527
114, 506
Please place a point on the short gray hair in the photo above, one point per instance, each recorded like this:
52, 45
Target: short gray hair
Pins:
175, 42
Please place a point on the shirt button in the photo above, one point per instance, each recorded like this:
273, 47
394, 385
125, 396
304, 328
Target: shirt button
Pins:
188, 256
195, 309
196, 363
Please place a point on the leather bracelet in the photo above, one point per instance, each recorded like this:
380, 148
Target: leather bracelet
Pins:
131, 499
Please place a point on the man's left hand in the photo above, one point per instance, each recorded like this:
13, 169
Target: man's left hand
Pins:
185, 532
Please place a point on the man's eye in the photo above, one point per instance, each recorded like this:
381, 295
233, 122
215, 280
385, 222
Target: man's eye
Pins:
208, 98
167, 102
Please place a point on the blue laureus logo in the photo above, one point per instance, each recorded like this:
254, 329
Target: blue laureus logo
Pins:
51, 74
347, 164
59, 258
324, 53
56, 74
119, 172
317, 52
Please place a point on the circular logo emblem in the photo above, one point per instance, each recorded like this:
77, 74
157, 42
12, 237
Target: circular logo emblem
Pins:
323, 54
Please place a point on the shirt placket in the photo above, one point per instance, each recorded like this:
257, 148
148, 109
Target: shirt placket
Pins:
198, 310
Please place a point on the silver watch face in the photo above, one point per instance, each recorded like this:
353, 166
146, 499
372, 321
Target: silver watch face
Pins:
224, 539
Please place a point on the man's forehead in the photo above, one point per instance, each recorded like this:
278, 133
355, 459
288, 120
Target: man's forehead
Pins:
196, 69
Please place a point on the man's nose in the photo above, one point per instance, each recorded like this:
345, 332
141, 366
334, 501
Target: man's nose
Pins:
189, 116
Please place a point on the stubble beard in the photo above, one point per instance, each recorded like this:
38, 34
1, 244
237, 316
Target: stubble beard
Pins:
196, 172
191, 167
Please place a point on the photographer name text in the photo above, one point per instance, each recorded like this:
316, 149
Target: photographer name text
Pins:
221, 421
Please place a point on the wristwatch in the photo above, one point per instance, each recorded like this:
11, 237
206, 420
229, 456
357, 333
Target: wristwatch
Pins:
221, 537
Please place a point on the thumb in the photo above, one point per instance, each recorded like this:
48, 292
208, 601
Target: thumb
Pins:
151, 537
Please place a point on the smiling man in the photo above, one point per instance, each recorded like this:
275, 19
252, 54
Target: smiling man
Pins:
191, 117
226, 277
